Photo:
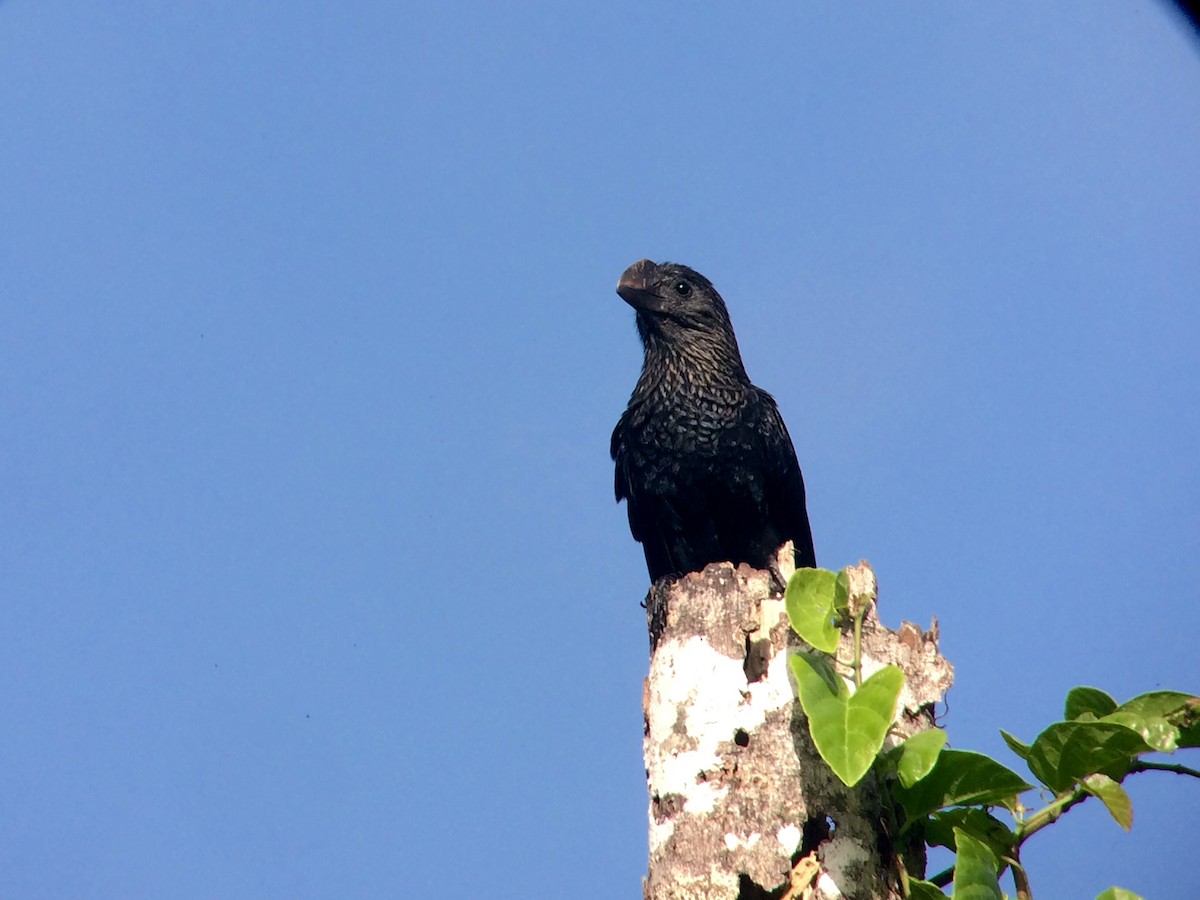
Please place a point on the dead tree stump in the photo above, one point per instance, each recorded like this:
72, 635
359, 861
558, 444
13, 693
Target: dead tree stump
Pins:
741, 804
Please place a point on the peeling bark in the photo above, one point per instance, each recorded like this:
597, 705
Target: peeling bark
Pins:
741, 804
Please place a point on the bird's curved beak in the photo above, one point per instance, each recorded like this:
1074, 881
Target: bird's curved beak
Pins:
636, 286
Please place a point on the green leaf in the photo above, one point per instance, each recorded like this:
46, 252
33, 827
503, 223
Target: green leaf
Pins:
841, 594
848, 729
980, 824
975, 870
1156, 716
1113, 796
1016, 746
1082, 700
924, 890
809, 599
1189, 733
823, 666
1068, 751
918, 755
816, 677
1116, 893
961, 778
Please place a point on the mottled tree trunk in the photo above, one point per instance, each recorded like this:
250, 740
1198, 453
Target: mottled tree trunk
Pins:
741, 805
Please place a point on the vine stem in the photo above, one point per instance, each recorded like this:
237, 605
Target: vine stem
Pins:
1020, 876
1143, 766
1025, 830
1050, 814
857, 665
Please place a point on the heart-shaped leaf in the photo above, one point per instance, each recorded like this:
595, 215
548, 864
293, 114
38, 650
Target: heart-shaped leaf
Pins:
848, 729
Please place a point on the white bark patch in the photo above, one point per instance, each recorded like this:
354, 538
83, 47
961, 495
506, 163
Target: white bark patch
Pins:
789, 838
827, 888
736, 842
697, 702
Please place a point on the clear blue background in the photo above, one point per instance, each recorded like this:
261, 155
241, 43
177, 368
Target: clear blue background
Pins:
311, 579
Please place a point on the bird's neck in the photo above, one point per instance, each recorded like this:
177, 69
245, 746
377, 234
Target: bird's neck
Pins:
693, 367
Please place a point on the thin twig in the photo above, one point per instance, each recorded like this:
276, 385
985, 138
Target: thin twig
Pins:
1143, 766
1020, 877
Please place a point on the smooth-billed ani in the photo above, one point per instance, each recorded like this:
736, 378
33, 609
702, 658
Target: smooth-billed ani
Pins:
702, 456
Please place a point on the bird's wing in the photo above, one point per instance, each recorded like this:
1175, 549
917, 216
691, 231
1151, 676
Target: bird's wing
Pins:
649, 519
786, 509
616, 450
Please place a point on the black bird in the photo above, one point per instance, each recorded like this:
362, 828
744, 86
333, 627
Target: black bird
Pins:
702, 456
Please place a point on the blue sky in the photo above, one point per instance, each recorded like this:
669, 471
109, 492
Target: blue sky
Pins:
312, 583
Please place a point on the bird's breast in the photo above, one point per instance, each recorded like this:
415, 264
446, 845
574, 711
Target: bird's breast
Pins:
684, 440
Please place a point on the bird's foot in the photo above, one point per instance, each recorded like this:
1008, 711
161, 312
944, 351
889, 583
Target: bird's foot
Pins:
778, 582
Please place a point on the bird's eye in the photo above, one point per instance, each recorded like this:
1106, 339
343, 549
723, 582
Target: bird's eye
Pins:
682, 288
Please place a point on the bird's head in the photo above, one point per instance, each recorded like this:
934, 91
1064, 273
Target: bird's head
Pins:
679, 311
